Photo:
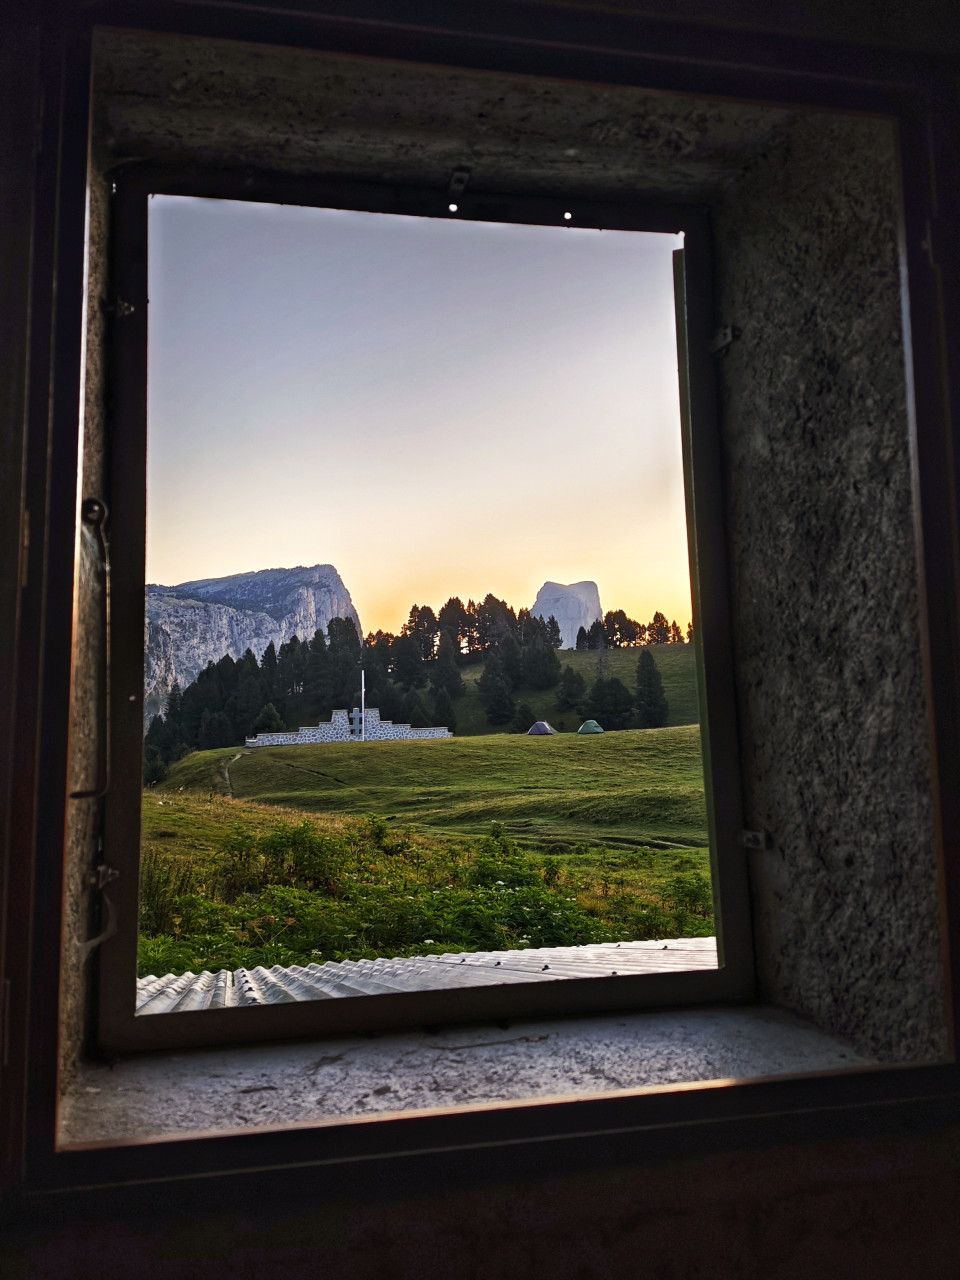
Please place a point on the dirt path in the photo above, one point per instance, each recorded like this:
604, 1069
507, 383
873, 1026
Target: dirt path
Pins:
225, 773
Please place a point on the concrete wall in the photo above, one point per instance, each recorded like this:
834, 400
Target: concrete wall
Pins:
339, 729
818, 476
825, 588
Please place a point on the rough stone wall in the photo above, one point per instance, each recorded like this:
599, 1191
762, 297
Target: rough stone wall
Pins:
339, 729
825, 589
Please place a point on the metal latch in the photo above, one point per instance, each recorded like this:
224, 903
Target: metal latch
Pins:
723, 338
98, 879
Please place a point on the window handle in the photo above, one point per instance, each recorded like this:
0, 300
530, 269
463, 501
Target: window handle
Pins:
93, 516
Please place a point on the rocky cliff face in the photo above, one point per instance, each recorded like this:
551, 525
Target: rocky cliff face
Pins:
573, 606
194, 623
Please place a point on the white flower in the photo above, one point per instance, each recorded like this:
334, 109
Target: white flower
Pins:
429, 942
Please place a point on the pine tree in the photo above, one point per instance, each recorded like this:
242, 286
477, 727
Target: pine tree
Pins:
553, 633
652, 707
496, 692
523, 718
582, 638
540, 667
407, 665
317, 680
268, 668
345, 651
446, 672
421, 625
609, 702
511, 656
244, 704
388, 699
174, 713
268, 721
443, 714
453, 617
215, 731
571, 689
658, 629
499, 702
414, 712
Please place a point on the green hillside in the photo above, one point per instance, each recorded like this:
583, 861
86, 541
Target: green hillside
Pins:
293, 854
627, 788
675, 662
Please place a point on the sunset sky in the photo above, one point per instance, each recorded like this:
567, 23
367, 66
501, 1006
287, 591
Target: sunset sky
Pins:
434, 407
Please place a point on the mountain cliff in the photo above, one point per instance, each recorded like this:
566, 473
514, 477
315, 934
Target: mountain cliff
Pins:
197, 622
573, 606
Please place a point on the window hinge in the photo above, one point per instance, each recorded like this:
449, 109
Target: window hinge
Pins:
118, 308
24, 550
756, 839
98, 879
724, 338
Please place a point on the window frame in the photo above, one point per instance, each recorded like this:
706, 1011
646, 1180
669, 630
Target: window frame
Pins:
916, 91
120, 1029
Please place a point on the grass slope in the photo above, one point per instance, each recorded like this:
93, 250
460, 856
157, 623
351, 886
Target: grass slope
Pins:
675, 662
618, 789
291, 854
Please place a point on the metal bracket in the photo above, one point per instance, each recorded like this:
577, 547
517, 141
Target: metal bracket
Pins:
118, 308
724, 338
756, 840
98, 879
458, 183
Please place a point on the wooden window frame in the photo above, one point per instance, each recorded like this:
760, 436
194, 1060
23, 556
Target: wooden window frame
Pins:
120, 1028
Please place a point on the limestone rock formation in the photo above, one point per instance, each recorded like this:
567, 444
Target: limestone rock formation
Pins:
573, 606
194, 623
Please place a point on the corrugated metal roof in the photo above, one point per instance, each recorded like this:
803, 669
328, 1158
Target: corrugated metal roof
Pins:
278, 985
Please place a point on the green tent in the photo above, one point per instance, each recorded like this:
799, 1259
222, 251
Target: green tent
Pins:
589, 726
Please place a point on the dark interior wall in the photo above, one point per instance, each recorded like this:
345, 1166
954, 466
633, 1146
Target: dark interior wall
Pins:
930, 25
19, 99
847, 1209
879, 1209
835, 760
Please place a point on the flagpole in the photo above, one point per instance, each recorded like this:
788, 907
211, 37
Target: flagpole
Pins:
363, 705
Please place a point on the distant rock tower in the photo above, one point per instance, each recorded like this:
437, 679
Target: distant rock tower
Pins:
573, 606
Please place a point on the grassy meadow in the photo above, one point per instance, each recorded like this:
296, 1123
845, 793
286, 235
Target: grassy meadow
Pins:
675, 662
297, 854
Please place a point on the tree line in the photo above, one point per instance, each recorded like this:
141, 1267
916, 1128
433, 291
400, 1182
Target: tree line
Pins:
414, 677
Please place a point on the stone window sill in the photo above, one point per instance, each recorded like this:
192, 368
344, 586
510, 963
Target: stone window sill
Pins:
274, 1086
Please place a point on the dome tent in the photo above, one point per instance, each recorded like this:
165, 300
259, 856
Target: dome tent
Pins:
590, 726
539, 728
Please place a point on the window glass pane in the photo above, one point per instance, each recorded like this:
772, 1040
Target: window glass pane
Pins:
421, 705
